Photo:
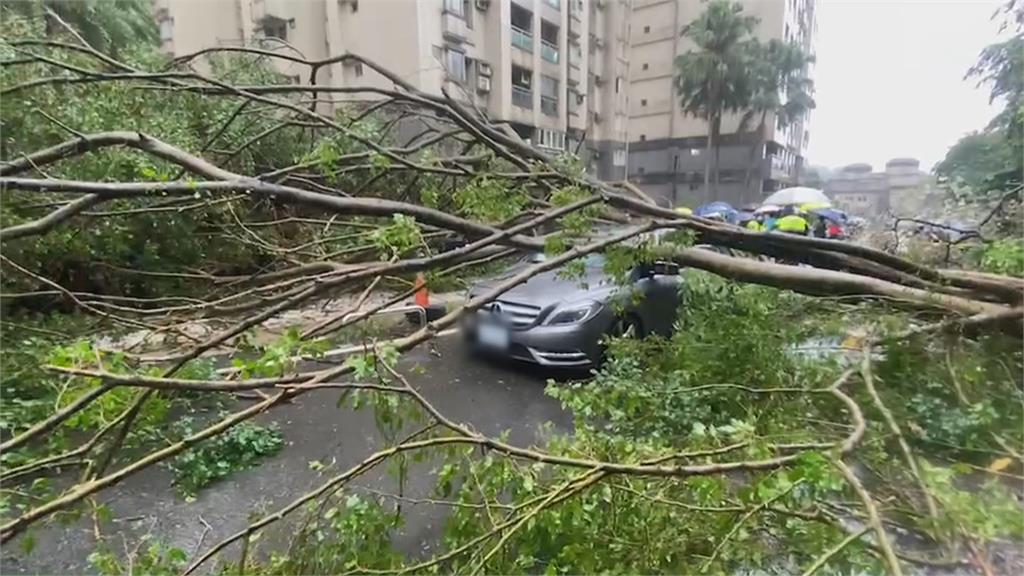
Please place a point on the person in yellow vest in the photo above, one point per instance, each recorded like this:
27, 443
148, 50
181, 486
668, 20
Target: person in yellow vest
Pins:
792, 224
754, 225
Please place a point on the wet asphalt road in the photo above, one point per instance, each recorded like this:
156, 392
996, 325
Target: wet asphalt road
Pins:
492, 397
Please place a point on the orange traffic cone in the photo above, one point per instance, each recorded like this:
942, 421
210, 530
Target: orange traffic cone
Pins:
422, 297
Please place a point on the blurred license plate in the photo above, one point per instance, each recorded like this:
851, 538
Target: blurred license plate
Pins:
493, 335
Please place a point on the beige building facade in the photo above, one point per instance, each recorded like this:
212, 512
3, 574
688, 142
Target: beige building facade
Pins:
667, 148
554, 70
902, 189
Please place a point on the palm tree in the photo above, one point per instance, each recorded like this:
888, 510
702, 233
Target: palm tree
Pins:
108, 25
780, 88
713, 79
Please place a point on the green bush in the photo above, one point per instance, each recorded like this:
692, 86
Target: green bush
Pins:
1004, 256
241, 447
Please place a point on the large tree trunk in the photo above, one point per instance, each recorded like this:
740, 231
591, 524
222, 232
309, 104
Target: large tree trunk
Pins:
757, 145
717, 130
706, 192
818, 282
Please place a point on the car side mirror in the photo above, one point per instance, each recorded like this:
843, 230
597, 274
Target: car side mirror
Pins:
664, 268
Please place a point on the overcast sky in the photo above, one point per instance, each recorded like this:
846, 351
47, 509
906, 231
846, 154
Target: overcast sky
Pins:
889, 79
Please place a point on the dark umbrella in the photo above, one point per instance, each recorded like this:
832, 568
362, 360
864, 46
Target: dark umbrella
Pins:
721, 210
744, 216
831, 214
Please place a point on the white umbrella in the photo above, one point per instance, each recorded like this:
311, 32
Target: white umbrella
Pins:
768, 208
798, 195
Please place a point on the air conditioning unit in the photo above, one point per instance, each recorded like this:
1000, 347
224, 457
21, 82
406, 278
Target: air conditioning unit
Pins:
483, 83
597, 117
483, 5
483, 68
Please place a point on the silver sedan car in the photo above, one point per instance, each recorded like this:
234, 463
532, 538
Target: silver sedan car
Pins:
560, 322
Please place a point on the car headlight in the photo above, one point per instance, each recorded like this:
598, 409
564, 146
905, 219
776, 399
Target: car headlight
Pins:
574, 314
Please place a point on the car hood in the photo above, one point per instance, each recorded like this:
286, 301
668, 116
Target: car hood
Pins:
548, 288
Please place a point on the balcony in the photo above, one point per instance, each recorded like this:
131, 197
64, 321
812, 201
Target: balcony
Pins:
522, 97
548, 51
548, 105
454, 27
522, 39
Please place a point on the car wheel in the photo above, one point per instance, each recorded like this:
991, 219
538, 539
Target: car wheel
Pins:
627, 326
624, 326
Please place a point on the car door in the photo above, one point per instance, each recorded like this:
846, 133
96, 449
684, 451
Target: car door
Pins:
660, 302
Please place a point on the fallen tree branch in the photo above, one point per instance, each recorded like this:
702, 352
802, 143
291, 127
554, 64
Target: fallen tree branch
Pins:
892, 564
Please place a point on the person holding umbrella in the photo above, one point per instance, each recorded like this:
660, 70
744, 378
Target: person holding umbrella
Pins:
832, 221
793, 222
766, 215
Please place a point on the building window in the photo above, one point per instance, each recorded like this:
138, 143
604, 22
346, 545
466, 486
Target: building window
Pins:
619, 158
549, 41
166, 30
643, 101
618, 84
556, 4
549, 95
575, 54
522, 87
456, 7
455, 63
643, 137
647, 29
275, 28
645, 66
358, 69
551, 139
522, 27
467, 13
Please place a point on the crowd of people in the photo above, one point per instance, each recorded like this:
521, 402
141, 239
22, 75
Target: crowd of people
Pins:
796, 220
817, 220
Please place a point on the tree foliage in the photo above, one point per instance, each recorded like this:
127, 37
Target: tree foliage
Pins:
237, 200
109, 25
991, 162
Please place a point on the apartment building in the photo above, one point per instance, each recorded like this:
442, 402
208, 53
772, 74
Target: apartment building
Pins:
667, 148
554, 70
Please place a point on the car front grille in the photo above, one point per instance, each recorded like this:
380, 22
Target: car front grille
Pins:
517, 314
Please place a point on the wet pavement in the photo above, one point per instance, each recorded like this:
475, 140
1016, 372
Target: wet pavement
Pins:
491, 397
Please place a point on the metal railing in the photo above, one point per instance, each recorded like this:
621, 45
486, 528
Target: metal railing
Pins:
549, 51
549, 105
522, 39
522, 97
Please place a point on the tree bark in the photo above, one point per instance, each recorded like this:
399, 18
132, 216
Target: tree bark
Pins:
717, 129
706, 192
815, 282
755, 148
